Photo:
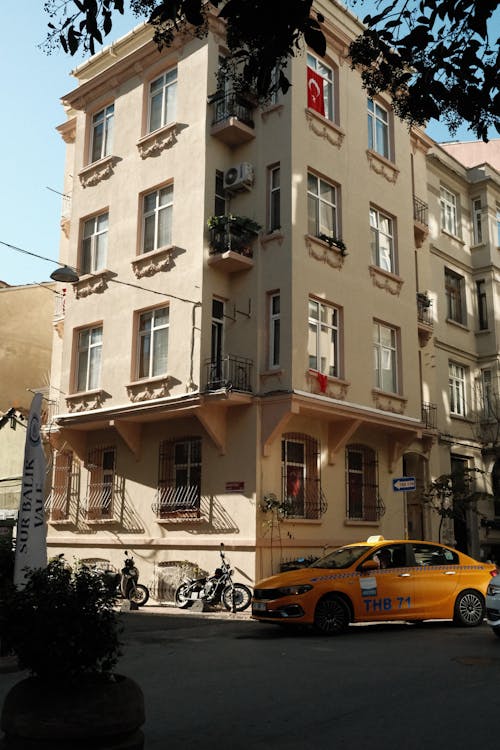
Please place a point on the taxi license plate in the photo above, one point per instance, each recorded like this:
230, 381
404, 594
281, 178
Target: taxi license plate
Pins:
259, 606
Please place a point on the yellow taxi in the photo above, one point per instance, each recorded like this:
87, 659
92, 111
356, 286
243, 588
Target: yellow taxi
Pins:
377, 580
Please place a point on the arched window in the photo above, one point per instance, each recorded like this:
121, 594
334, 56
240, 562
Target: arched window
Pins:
362, 483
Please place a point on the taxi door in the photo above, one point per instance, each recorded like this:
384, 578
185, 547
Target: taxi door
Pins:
437, 578
386, 593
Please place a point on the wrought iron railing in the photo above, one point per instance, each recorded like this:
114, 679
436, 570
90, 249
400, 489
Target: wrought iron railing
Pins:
177, 501
231, 105
104, 501
235, 233
420, 211
424, 309
234, 373
429, 415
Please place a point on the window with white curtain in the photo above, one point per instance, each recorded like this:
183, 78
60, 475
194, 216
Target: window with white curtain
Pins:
323, 338
385, 350
157, 219
321, 207
448, 203
382, 240
95, 243
102, 133
89, 358
456, 385
162, 100
378, 129
153, 343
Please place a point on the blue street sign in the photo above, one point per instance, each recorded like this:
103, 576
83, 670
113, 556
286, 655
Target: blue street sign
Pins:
404, 484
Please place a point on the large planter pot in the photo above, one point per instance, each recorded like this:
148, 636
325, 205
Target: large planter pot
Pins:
95, 712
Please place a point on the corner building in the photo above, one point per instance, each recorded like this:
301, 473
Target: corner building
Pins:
239, 361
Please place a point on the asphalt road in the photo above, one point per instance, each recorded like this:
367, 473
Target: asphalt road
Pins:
228, 682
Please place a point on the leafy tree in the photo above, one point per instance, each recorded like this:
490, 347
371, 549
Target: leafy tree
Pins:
434, 57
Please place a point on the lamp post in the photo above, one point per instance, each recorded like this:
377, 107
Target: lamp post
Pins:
65, 274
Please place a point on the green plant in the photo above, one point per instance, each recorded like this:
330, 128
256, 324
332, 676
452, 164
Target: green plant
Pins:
62, 624
240, 224
334, 242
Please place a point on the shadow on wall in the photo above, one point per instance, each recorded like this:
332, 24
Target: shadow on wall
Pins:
168, 575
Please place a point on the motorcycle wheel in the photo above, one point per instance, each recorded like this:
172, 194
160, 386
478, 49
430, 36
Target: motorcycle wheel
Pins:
241, 594
140, 595
182, 596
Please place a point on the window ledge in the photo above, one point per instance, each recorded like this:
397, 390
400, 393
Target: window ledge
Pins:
85, 400
271, 371
275, 236
154, 261
483, 332
382, 166
99, 170
333, 387
150, 388
320, 250
452, 236
360, 522
457, 324
324, 128
306, 521
392, 402
272, 109
93, 283
154, 143
478, 246
382, 279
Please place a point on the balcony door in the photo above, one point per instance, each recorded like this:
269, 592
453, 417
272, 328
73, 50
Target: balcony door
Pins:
217, 343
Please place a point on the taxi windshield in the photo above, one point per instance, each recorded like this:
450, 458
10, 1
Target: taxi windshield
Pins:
341, 558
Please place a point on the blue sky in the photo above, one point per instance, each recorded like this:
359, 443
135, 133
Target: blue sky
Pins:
31, 85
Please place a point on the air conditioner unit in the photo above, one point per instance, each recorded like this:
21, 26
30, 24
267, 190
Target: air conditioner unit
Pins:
239, 177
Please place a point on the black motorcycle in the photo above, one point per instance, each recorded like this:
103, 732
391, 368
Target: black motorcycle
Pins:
216, 589
125, 583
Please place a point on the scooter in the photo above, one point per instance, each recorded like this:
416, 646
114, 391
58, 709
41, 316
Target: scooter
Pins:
125, 583
215, 589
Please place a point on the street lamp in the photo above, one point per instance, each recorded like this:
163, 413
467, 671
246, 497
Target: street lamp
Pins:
65, 274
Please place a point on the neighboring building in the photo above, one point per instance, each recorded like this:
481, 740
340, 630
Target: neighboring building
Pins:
207, 373
26, 317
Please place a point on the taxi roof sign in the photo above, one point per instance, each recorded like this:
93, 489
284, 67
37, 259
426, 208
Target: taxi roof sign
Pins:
375, 538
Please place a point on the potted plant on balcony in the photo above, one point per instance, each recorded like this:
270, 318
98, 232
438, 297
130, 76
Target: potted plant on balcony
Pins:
231, 232
63, 628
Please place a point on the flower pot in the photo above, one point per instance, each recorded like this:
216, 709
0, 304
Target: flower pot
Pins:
96, 711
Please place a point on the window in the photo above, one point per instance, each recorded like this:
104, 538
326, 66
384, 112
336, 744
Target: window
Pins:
456, 385
157, 218
455, 298
362, 483
102, 132
323, 339
179, 476
487, 395
482, 308
320, 87
448, 202
378, 129
95, 243
301, 484
382, 235
430, 554
89, 359
477, 226
385, 357
162, 100
220, 194
153, 342
321, 208
101, 483
274, 330
274, 198
216, 343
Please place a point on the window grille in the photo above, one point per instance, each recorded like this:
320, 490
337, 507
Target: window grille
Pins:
103, 492
363, 503
179, 478
302, 495
63, 499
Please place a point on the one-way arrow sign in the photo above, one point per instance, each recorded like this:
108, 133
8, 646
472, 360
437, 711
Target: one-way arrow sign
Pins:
404, 484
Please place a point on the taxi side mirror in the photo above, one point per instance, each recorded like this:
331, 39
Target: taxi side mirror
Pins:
370, 565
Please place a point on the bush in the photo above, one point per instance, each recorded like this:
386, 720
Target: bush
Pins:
62, 624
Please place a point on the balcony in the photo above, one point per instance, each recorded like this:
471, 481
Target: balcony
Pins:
429, 415
420, 220
231, 240
424, 318
232, 121
230, 372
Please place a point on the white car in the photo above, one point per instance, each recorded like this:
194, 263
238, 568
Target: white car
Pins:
493, 605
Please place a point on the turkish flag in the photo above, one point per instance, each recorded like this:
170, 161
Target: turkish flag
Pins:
315, 92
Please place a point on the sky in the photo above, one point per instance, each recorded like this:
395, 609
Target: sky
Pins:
32, 163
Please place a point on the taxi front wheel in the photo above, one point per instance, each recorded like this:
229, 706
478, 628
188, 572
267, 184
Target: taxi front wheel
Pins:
469, 609
331, 616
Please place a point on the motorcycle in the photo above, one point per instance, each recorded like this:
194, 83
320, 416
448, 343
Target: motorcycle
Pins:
126, 585
215, 589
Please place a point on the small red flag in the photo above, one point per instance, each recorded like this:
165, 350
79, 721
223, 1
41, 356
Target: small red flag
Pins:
315, 98
323, 381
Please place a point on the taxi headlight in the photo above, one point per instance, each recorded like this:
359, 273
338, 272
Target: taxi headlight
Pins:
294, 590
493, 590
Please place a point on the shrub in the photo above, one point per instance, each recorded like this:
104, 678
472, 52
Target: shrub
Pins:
62, 624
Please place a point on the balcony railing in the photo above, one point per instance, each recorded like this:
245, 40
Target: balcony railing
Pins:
234, 373
104, 501
420, 211
429, 415
424, 309
177, 501
232, 233
231, 105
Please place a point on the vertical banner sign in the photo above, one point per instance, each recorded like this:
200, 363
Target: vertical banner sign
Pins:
31, 540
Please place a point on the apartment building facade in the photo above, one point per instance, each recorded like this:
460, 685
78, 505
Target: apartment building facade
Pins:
244, 358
